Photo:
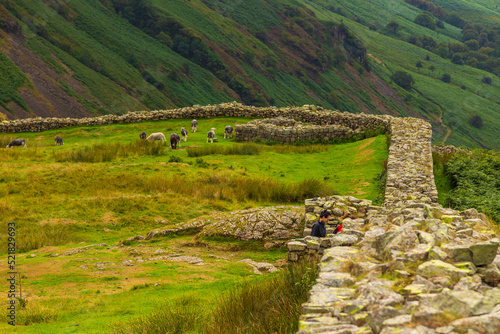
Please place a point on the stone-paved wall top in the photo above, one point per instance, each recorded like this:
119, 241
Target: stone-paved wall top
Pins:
410, 176
306, 113
411, 270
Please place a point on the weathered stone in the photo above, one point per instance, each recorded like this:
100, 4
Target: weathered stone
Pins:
458, 303
458, 253
380, 292
484, 324
484, 253
335, 280
440, 268
343, 240
436, 253
426, 238
296, 246
468, 283
418, 254
404, 238
429, 317
399, 321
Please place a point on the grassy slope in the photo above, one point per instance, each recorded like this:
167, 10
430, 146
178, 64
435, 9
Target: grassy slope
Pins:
84, 199
486, 11
125, 57
458, 105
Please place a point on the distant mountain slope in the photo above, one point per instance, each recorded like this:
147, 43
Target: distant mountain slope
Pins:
89, 57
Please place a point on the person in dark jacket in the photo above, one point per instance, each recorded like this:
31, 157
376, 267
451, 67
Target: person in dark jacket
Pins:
319, 228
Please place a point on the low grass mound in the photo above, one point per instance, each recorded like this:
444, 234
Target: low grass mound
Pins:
242, 149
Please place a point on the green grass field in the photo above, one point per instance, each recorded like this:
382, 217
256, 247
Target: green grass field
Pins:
61, 204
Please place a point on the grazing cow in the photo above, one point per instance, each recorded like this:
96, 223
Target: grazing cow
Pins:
17, 142
142, 135
174, 140
178, 138
194, 125
184, 134
228, 131
157, 136
59, 141
211, 135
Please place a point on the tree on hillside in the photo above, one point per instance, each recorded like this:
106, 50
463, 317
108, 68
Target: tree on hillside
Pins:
455, 20
425, 20
419, 64
403, 79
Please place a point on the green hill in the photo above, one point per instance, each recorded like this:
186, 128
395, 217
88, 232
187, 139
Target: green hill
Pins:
81, 58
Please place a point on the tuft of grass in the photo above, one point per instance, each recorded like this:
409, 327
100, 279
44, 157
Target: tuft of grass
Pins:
243, 149
35, 313
109, 152
34, 236
286, 149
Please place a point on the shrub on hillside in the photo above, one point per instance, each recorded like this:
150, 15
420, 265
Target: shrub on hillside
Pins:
486, 80
476, 121
446, 77
403, 79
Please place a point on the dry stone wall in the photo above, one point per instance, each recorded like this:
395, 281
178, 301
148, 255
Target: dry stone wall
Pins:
410, 176
306, 113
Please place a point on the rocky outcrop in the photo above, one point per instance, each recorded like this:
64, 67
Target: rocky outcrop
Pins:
268, 223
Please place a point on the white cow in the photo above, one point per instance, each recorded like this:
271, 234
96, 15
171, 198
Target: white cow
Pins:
157, 136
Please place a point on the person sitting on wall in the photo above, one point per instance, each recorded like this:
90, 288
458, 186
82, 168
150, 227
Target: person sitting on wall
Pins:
319, 228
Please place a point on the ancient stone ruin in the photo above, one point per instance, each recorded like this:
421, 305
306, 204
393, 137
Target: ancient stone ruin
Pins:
407, 267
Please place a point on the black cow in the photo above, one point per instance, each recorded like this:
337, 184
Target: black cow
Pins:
59, 141
142, 135
17, 142
174, 140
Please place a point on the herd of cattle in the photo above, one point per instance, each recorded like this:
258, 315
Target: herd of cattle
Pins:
175, 139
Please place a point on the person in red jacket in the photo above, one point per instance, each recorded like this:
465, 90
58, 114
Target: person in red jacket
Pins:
339, 227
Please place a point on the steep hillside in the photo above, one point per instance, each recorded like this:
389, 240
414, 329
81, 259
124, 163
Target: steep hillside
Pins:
92, 57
